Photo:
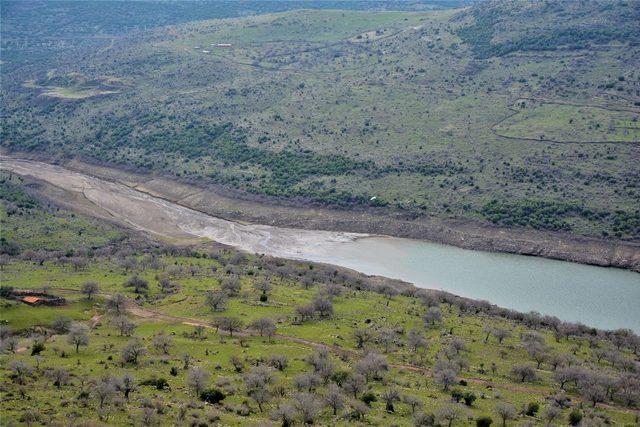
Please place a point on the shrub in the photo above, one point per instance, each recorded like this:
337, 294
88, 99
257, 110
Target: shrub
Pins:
469, 398
575, 417
369, 398
158, 383
212, 395
37, 348
532, 409
484, 421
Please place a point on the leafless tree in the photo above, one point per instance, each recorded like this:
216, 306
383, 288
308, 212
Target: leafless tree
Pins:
124, 325
450, 413
305, 312
262, 286
433, 316
139, 285
372, 365
216, 300
457, 345
501, 334
162, 342
286, 413
230, 324
506, 411
103, 390
323, 306
321, 362
524, 373
278, 361
387, 337
264, 326
78, 335
133, 351
334, 398
306, 381
125, 384
416, 340
197, 379
117, 303
61, 324
413, 402
355, 384
89, 289
307, 406
389, 397
59, 376
231, 285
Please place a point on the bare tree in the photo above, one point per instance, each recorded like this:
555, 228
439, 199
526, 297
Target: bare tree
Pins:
117, 303
551, 413
323, 306
216, 300
372, 365
162, 342
230, 324
59, 376
231, 285
257, 381
89, 289
264, 326
305, 312
524, 373
103, 390
126, 385
445, 376
133, 351
568, 374
321, 362
355, 384
139, 285
389, 397
78, 335
450, 413
20, 371
197, 379
61, 324
506, 411
413, 402
501, 334
286, 413
334, 398
124, 325
307, 406
306, 381
416, 340
387, 337
9, 344
278, 361
262, 286
457, 345
433, 316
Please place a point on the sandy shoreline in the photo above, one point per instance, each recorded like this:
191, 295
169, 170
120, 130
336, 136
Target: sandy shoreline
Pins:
226, 205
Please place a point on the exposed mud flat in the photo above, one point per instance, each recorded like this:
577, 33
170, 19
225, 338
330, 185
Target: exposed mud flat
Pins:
224, 203
144, 212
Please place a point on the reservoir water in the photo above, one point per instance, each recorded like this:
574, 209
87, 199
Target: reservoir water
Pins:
607, 298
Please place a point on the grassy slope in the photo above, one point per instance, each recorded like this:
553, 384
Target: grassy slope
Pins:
411, 374
393, 104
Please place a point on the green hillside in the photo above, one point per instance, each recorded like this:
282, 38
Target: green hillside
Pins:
151, 334
517, 113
